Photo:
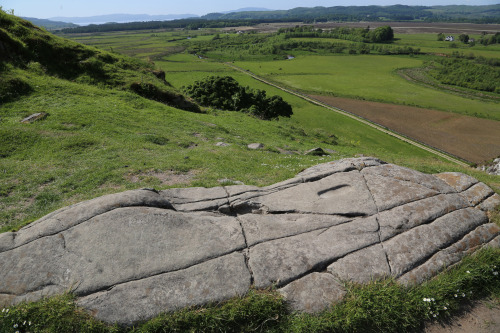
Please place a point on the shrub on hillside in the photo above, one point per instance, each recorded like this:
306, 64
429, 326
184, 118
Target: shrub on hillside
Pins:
225, 93
12, 88
150, 91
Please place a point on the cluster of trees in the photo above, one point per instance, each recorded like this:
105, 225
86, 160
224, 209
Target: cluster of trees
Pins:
189, 24
379, 35
484, 40
280, 45
226, 94
489, 39
468, 73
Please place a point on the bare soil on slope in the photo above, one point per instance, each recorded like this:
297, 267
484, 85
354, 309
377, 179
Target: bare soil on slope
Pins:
482, 317
473, 139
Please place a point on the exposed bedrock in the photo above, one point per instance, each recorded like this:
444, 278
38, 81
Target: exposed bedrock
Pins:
130, 256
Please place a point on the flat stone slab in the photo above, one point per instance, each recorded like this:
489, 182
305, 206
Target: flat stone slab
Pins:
133, 255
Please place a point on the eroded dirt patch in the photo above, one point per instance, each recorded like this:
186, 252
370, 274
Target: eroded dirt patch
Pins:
473, 139
482, 317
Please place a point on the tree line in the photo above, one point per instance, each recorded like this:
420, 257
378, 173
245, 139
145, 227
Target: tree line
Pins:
379, 35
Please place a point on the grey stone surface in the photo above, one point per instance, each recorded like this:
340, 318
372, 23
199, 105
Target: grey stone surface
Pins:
490, 203
477, 193
391, 192
315, 151
402, 218
211, 281
362, 266
451, 255
408, 249
262, 228
283, 260
458, 181
313, 293
255, 146
132, 255
343, 193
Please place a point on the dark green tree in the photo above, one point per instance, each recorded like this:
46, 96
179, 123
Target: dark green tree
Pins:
225, 93
464, 38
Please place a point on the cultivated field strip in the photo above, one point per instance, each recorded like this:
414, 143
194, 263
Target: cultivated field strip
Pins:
355, 117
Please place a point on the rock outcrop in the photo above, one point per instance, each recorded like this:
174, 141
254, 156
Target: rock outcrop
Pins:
132, 255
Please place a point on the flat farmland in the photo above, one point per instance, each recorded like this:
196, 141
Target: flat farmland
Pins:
473, 139
398, 27
367, 77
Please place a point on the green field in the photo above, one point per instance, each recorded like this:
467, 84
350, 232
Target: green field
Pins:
428, 43
369, 77
99, 136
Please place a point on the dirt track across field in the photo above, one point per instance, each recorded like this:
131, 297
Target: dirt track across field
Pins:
473, 139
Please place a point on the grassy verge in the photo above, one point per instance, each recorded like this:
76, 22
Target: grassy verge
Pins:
381, 306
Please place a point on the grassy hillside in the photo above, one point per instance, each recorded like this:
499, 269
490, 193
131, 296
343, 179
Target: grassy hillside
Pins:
27, 47
99, 136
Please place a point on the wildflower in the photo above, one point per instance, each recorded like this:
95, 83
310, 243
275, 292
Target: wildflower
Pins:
3, 310
455, 295
495, 273
434, 315
468, 272
24, 323
15, 325
432, 299
463, 295
29, 323
445, 308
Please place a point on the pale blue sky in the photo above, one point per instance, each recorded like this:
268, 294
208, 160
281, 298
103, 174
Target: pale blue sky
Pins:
79, 8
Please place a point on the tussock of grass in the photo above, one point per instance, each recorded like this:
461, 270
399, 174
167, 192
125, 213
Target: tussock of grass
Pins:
381, 306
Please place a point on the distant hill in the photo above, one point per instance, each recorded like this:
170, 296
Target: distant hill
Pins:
49, 24
121, 18
248, 9
398, 13
486, 14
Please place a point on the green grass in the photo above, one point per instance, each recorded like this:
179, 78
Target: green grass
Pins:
95, 141
370, 77
428, 43
101, 138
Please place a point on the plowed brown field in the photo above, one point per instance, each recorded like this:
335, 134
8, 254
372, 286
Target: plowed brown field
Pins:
473, 139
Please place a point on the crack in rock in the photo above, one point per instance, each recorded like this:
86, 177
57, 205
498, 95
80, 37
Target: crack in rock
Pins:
130, 256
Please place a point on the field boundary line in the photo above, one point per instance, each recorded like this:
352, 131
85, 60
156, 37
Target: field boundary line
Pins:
433, 150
